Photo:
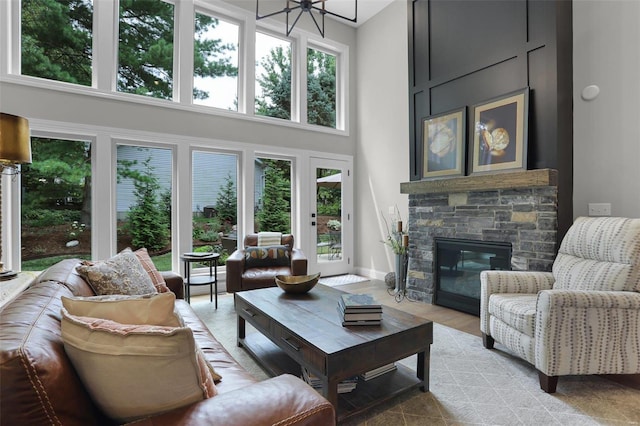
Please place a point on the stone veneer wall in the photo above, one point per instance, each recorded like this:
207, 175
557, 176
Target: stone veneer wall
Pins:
525, 217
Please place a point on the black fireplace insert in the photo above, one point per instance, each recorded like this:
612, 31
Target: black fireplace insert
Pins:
458, 266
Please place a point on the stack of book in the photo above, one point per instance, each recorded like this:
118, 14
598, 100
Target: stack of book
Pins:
344, 386
359, 309
377, 372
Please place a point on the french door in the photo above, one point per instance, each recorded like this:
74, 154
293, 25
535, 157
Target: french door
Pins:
330, 221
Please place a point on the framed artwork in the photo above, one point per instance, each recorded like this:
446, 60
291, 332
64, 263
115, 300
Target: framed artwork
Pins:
500, 133
443, 144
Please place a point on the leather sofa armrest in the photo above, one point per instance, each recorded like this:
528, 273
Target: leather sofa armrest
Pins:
298, 262
235, 268
174, 282
280, 400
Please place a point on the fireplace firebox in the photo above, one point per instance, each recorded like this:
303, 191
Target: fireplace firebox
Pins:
458, 265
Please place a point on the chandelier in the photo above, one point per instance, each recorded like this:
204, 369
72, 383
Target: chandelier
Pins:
319, 6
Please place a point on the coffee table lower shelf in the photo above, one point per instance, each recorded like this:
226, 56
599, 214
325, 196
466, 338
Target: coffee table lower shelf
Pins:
367, 393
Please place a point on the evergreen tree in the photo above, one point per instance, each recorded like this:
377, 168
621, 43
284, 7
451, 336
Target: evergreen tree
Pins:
321, 88
276, 85
57, 45
227, 202
57, 39
61, 171
147, 219
275, 214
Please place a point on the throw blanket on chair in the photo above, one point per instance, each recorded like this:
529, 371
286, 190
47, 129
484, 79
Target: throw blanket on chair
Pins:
269, 239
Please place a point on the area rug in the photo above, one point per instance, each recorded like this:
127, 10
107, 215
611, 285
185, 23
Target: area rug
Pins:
341, 280
468, 385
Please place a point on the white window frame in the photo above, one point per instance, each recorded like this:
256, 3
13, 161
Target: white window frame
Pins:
105, 61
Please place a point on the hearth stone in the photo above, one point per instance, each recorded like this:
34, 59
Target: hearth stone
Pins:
525, 217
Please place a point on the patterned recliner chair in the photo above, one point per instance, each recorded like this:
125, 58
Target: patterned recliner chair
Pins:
581, 318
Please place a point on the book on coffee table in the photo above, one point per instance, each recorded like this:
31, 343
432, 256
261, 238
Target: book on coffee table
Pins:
359, 309
359, 303
377, 372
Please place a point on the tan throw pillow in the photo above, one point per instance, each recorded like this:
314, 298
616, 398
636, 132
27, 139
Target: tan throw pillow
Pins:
121, 274
156, 309
134, 371
148, 265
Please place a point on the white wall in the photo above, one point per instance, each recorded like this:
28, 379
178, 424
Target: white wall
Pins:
606, 130
606, 140
382, 149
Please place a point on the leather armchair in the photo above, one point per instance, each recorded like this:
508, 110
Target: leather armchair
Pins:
581, 318
240, 278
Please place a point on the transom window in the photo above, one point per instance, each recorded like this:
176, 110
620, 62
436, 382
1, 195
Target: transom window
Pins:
215, 62
155, 56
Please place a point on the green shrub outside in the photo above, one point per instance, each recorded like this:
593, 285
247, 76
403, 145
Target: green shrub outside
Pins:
47, 217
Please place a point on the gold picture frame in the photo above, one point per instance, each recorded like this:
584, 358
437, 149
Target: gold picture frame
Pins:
444, 144
499, 128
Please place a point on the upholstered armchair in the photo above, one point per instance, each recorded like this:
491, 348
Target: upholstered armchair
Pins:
254, 266
581, 318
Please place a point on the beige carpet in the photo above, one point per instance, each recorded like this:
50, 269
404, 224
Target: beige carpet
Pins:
470, 385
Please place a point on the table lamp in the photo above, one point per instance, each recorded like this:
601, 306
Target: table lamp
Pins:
15, 149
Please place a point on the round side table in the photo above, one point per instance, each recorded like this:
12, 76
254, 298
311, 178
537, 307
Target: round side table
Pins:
211, 280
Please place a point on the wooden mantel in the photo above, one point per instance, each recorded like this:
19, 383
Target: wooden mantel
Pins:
505, 180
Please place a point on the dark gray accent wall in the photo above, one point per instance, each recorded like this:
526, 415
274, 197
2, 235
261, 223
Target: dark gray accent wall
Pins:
464, 52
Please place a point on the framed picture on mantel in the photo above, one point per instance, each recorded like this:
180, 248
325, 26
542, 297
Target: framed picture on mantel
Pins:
443, 144
500, 133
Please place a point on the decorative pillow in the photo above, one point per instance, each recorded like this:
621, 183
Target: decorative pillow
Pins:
121, 274
155, 309
256, 257
133, 371
148, 265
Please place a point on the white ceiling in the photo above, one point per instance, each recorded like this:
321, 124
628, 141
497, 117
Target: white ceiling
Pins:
366, 9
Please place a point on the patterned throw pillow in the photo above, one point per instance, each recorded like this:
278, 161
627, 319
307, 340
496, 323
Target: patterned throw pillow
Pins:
148, 265
258, 257
121, 274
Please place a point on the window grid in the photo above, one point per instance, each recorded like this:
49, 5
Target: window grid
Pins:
105, 60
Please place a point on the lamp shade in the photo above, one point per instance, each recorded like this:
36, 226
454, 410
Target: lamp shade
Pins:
15, 143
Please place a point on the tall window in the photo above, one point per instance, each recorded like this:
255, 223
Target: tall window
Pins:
321, 88
143, 201
215, 67
56, 203
272, 195
273, 77
215, 202
145, 49
57, 40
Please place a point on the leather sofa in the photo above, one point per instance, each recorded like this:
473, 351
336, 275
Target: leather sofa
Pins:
39, 385
240, 278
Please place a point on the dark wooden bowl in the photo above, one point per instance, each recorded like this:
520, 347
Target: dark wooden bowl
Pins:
297, 283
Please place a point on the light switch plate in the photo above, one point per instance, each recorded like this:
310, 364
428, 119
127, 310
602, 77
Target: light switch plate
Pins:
599, 209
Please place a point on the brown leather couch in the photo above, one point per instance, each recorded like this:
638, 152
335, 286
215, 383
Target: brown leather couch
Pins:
38, 384
240, 278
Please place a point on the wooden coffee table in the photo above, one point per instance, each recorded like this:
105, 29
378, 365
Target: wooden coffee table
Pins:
305, 330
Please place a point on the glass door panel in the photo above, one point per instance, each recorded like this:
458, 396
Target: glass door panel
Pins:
329, 219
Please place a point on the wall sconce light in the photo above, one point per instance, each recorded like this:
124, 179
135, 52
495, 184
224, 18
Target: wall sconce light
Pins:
15, 149
307, 6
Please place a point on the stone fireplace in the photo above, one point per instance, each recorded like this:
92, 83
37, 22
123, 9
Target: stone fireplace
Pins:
519, 208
